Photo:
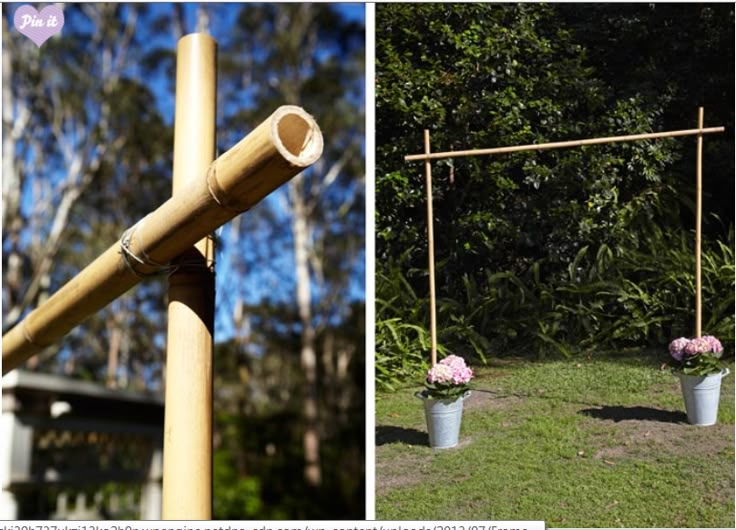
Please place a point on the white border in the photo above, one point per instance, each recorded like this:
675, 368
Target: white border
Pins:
370, 262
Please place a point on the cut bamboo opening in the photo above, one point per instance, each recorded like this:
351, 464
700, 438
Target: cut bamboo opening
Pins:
567, 143
283, 145
187, 471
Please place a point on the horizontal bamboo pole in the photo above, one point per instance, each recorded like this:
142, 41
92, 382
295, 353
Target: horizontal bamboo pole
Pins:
283, 145
557, 145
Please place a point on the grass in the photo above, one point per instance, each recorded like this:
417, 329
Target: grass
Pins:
588, 443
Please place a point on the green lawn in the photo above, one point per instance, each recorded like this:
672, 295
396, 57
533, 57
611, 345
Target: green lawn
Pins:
587, 443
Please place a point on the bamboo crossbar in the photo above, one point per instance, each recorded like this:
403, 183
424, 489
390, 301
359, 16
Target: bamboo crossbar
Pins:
557, 145
283, 145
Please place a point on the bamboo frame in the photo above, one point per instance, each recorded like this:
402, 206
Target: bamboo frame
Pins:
430, 245
283, 145
187, 466
698, 227
427, 157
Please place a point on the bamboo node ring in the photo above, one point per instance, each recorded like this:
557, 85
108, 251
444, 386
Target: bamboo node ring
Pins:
27, 335
217, 193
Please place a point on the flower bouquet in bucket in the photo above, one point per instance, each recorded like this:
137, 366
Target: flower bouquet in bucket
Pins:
446, 387
448, 379
696, 363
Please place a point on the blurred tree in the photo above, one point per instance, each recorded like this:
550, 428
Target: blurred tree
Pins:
76, 134
259, 420
314, 59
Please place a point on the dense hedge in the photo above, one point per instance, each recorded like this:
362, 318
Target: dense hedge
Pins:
557, 251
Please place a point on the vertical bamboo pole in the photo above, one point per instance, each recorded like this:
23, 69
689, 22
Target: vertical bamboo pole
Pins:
187, 479
430, 240
698, 227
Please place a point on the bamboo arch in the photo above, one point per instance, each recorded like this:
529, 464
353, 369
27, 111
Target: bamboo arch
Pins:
428, 156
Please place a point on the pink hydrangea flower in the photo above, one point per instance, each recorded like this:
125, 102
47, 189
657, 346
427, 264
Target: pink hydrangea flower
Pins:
440, 373
677, 348
714, 344
455, 361
696, 356
448, 379
697, 346
461, 373
450, 370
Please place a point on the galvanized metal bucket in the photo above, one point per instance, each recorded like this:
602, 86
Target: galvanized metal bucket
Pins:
701, 394
443, 419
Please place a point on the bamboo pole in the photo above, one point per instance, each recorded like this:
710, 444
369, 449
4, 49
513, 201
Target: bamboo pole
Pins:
187, 474
569, 143
698, 226
430, 244
283, 145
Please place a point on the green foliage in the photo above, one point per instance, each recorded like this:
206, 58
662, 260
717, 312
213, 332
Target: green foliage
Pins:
704, 364
607, 301
694, 68
238, 497
656, 283
444, 391
472, 74
402, 342
400, 350
554, 252
259, 426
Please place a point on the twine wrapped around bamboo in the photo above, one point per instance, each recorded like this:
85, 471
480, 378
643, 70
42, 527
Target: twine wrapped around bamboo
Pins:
283, 145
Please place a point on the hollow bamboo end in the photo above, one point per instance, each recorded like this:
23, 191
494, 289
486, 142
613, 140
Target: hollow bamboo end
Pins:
296, 135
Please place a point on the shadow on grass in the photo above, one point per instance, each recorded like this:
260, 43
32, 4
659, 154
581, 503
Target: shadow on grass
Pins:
389, 434
618, 413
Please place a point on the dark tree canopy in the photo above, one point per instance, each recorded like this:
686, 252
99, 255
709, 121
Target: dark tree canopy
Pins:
512, 230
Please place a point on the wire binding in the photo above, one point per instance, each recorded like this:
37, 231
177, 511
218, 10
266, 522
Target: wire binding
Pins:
130, 258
